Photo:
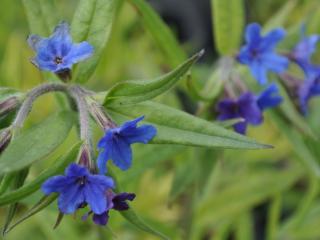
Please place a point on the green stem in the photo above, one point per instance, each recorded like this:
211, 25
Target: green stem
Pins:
273, 217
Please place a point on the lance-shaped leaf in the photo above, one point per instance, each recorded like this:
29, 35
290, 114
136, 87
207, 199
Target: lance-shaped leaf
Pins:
43, 203
243, 194
41, 16
228, 19
131, 92
34, 185
37, 142
177, 127
20, 177
299, 146
92, 22
161, 33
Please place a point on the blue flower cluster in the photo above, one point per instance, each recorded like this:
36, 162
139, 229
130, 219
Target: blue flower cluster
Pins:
259, 54
81, 185
248, 107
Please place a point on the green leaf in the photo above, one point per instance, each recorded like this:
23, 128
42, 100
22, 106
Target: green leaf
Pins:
36, 143
160, 32
177, 127
228, 21
33, 186
92, 22
298, 145
241, 195
183, 177
43, 203
132, 217
142, 152
41, 16
5, 182
20, 177
279, 18
131, 92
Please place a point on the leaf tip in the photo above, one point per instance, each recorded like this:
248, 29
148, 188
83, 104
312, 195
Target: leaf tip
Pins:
201, 53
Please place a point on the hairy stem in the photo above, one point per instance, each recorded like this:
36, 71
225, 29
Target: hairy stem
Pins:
31, 97
77, 94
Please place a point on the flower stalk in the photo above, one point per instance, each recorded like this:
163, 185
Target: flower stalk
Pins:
31, 97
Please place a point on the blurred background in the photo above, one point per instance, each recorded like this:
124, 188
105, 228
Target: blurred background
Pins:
262, 194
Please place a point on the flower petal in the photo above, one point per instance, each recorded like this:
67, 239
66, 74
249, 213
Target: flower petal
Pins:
130, 124
119, 201
228, 109
102, 159
76, 170
79, 52
275, 62
44, 65
259, 72
71, 198
103, 181
142, 134
249, 110
252, 34
101, 219
240, 127
269, 97
55, 184
269, 41
95, 197
306, 47
120, 153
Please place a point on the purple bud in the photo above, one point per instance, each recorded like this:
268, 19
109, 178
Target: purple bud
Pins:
65, 74
85, 156
100, 116
5, 138
8, 105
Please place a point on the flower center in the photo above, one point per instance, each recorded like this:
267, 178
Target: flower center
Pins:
82, 180
254, 53
58, 60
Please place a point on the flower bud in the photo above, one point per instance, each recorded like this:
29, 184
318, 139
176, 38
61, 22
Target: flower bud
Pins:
65, 74
5, 138
100, 116
8, 105
84, 156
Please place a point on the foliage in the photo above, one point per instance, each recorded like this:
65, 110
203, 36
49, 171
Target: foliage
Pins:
197, 178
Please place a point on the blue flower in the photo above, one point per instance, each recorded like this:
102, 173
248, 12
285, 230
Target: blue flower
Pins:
303, 51
258, 53
309, 88
248, 107
116, 143
78, 188
57, 53
117, 202
269, 98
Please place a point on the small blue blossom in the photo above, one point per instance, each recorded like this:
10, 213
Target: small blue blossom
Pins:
78, 188
248, 107
309, 88
303, 51
58, 53
258, 53
116, 143
116, 202
269, 98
